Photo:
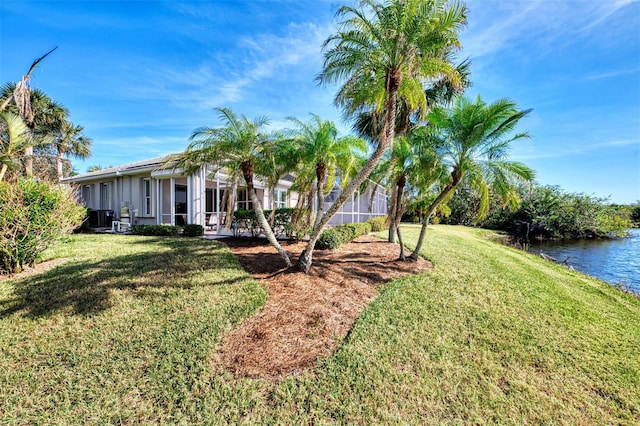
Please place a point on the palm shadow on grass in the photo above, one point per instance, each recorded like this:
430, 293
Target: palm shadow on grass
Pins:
85, 287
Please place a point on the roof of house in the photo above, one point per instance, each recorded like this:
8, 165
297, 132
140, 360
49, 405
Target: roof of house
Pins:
126, 169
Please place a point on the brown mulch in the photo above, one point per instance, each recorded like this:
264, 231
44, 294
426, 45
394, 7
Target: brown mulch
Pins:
306, 316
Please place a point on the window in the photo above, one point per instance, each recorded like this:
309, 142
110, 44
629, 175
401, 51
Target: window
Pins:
181, 199
146, 198
86, 195
281, 198
104, 196
244, 203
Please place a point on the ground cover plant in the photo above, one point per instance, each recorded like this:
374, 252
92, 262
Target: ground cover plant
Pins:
127, 331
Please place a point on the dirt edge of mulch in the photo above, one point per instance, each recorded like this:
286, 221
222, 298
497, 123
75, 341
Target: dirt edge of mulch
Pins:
306, 316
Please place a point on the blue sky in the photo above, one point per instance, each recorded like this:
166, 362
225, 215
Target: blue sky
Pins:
140, 76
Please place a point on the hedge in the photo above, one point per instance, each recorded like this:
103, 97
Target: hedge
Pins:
155, 230
332, 238
246, 221
379, 223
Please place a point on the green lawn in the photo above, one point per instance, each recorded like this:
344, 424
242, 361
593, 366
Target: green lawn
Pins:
126, 332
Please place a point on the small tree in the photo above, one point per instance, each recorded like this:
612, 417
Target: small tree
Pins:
472, 140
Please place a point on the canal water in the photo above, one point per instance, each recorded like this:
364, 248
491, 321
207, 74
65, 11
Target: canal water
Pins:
615, 261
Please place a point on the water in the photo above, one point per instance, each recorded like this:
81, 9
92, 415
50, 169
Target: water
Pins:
614, 261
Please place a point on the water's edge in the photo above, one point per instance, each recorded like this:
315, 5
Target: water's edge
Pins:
614, 261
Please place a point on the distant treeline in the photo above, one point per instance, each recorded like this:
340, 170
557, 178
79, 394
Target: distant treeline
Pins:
545, 212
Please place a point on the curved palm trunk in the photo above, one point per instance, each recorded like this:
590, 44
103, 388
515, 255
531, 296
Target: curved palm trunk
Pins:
401, 242
247, 172
396, 212
392, 84
456, 177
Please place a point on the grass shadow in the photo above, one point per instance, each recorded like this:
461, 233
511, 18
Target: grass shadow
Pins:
85, 287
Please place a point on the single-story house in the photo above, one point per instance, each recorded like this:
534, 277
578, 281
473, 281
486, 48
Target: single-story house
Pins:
144, 193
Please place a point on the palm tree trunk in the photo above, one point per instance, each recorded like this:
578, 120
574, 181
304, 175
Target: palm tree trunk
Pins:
393, 82
247, 172
272, 216
28, 161
396, 212
59, 165
321, 171
402, 257
392, 214
3, 170
432, 208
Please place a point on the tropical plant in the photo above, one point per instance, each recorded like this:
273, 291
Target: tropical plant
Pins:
380, 52
238, 145
320, 147
13, 139
472, 140
69, 141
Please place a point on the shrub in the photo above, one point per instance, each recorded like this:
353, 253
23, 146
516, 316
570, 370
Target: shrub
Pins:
329, 240
33, 216
246, 221
379, 223
332, 238
193, 230
155, 230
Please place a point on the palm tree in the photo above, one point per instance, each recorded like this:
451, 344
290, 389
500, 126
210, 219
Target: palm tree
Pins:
472, 140
318, 144
69, 141
278, 159
13, 139
380, 52
43, 116
239, 144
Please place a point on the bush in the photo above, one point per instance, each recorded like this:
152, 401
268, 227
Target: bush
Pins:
378, 224
332, 238
246, 221
329, 240
33, 216
155, 230
193, 230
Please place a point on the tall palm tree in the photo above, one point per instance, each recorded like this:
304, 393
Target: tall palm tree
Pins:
13, 138
472, 139
381, 51
318, 145
44, 117
238, 144
69, 141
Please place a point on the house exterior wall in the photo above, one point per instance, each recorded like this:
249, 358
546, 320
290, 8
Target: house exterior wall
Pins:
148, 196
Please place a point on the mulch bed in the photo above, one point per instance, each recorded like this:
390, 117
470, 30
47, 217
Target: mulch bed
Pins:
307, 315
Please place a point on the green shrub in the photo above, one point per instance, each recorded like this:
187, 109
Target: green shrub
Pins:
33, 216
329, 240
155, 230
379, 223
193, 230
246, 221
332, 238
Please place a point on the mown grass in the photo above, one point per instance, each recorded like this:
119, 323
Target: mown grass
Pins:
127, 331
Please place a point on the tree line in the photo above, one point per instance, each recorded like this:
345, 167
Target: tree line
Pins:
545, 212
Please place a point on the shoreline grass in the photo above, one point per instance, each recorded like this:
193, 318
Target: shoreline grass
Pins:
127, 331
